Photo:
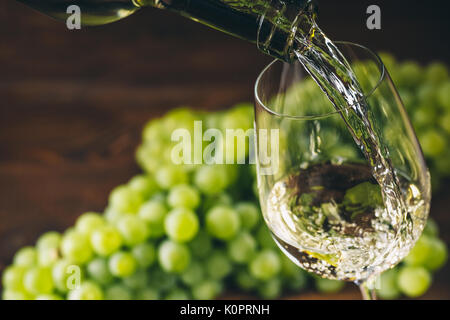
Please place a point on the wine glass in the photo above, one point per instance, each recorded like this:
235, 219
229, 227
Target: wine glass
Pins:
317, 190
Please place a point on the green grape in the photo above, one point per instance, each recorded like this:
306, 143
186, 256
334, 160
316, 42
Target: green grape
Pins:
144, 185
51, 239
264, 238
426, 95
153, 131
112, 216
123, 199
193, 274
12, 278
409, 74
249, 214
436, 73
106, 240
177, 294
363, 194
237, 119
98, 271
184, 196
206, 290
218, 266
47, 256
270, 289
153, 213
431, 228
245, 280
25, 257
148, 158
137, 280
89, 222
38, 280
413, 281
245, 108
181, 117
420, 252
437, 255
75, 247
145, 254
118, 292
181, 224
9, 294
444, 121
298, 281
443, 95
133, 230
122, 264
49, 297
211, 179
170, 175
161, 280
265, 265
201, 245
242, 248
173, 257
147, 294
221, 199
433, 142
328, 286
86, 291
388, 288
65, 275
222, 222
424, 116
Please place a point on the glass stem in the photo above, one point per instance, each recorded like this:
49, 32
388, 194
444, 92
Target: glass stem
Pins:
367, 289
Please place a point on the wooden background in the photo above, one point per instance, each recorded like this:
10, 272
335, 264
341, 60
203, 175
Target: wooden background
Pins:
73, 103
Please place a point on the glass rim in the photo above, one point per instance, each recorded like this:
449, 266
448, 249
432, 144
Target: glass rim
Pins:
324, 115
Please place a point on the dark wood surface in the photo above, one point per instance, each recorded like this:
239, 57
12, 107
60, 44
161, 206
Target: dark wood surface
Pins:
73, 103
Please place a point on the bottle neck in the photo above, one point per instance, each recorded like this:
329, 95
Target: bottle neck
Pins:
281, 24
272, 25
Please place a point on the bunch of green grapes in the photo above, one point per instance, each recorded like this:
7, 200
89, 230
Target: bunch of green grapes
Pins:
174, 232
425, 92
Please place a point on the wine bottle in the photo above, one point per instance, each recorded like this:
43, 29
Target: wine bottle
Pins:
271, 24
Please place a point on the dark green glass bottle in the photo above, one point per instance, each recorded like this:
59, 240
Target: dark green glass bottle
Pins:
271, 24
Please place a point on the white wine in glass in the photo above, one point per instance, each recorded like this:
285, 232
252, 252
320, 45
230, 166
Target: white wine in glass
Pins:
346, 200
